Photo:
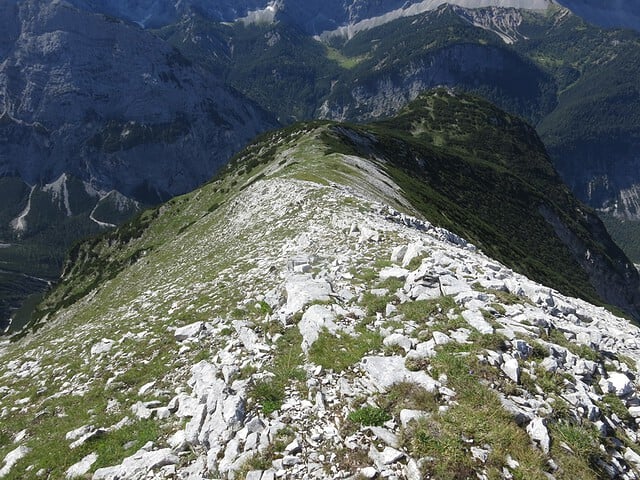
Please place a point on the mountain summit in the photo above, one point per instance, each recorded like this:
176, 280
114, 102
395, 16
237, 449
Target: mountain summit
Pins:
299, 316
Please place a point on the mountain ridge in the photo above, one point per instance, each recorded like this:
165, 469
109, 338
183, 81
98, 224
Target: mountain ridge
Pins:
294, 316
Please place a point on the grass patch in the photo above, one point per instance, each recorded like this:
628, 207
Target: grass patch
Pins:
582, 351
479, 416
369, 416
581, 460
422, 310
409, 395
375, 303
270, 393
611, 404
337, 352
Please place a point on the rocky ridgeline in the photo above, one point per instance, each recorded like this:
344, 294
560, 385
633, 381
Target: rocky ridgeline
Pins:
429, 357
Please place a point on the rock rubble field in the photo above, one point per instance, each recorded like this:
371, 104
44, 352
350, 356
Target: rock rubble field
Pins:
362, 343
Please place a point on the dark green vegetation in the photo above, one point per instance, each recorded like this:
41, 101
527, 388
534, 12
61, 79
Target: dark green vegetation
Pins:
484, 174
33, 257
626, 233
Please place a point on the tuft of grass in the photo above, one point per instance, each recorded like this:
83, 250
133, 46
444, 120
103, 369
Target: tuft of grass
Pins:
582, 460
337, 352
582, 351
409, 395
422, 310
375, 303
270, 393
611, 404
369, 416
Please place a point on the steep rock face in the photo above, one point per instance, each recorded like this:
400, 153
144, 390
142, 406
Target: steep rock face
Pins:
471, 66
111, 104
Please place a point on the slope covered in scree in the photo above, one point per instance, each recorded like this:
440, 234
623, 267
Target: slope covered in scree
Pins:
296, 317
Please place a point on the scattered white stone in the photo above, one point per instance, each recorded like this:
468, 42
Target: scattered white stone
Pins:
407, 416
631, 456
634, 411
138, 464
144, 389
290, 461
82, 467
480, 454
13, 457
103, 346
386, 371
387, 436
94, 433
441, 338
140, 410
293, 448
477, 321
79, 432
511, 368
21, 435
617, 383
388, 456
393, 272
191, 331
368, 472
399, 340
397, 254
538, 432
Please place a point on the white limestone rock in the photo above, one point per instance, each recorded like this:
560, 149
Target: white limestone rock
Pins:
138, 464
538, 432
140, 410
393, 272
399, 340
397, 254
477, 321
407, 416
368, 472
441, 338
193, 331
414, 250
617, 383
386, 371
13, 457
387, 436
316, 318
302, 290
511, 368
79, 432
78, 470
103, 346
386, 457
